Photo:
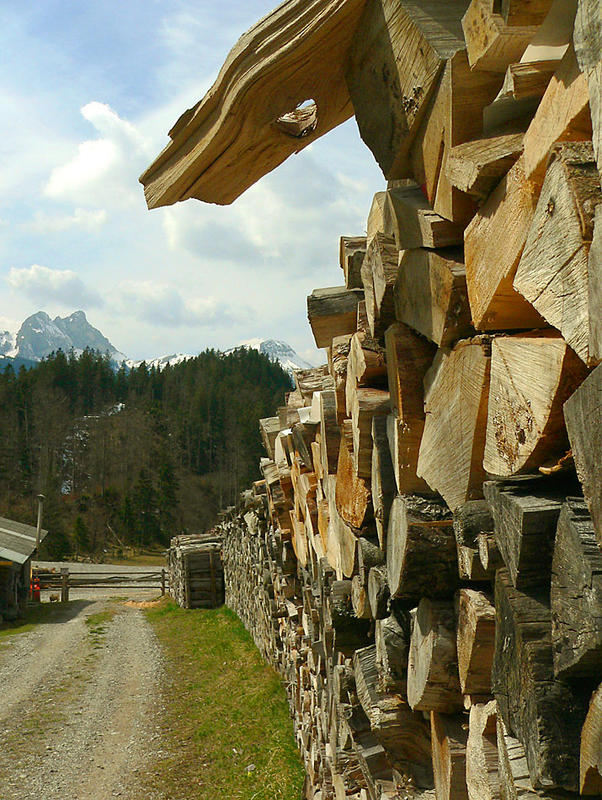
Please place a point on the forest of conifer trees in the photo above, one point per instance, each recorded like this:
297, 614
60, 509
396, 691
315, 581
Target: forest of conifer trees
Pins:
130, 458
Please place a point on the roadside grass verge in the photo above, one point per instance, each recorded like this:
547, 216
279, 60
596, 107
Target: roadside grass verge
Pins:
226, 733
36, 614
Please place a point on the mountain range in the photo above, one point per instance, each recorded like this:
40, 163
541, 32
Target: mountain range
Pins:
39, 336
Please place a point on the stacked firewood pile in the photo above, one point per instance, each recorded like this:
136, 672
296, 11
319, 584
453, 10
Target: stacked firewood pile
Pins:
196, 574
422, 561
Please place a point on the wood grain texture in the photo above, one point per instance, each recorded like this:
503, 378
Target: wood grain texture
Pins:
475, 635
591, 748
491, 43
476, 167
332, 312
247, 124
413, 223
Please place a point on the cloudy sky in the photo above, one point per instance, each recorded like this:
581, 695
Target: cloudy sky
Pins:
88, 92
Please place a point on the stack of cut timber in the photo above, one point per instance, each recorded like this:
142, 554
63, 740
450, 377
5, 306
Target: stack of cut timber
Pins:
422, 560
196, 574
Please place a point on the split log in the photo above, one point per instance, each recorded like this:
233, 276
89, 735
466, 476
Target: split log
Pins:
338, 360
505, 217
576, 595
515, 782
350, 632
378, 592
448, 737
531, 378
453, 117
524, 86
308, 381
477, 167
332, 312
583, 415
250, 121
433, 683
471, 520
396, 58
587, 38
368, 555
329, 433
420, 541
562, 115
366, 366
269, 429
379, 269
489, 553
413, 223
476, 641
383, 478
352, 250
376, 216
359, 599
404, 443
430, 295
553, 270
352, 496
367, 403
491, 42
594, 269
402, 732
453, 441
591, 748
546, 715
482, 777
392, 642
525, 513
408, 358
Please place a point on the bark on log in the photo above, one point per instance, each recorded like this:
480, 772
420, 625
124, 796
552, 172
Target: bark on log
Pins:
583, 415
531, 378
451, 451
249, 122
476, 641
433, 683
553, 270
546, 715
576, 595
420, 541
430, 295
525, 513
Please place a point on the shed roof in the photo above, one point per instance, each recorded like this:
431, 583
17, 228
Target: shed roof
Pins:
17, 541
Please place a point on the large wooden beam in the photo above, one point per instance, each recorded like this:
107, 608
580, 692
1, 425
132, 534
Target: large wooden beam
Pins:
332, 312
249, 122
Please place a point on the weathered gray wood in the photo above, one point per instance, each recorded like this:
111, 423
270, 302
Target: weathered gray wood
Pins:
587, 39
433, 683
398, 53
430, 295
545, 714
576, 595
583, 415
470, 521
590, 771
379, 269
525, 513
332, 312
594, 272
420, 541
482, 777
515, 782
392, 640
378, 592
553, 271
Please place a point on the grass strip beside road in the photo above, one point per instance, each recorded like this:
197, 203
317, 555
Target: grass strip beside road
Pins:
227, 732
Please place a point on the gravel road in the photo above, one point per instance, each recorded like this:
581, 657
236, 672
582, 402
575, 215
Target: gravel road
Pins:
79, 717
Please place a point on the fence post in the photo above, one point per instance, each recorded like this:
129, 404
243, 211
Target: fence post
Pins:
163, 582
64, 584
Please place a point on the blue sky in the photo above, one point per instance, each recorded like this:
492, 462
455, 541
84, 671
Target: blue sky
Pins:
88, 92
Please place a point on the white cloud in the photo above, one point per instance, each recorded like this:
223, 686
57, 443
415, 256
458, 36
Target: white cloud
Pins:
167, 305
81, 218
104, 171
42, 284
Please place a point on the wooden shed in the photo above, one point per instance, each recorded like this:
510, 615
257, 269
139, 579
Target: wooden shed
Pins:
17, 545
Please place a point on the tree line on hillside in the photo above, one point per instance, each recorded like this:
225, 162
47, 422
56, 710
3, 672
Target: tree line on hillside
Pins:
130, 458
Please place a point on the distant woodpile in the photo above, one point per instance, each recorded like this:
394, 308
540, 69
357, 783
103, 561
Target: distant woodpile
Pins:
422, 562
196, 575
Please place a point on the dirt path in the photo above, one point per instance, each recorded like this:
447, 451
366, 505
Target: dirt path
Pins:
80, 705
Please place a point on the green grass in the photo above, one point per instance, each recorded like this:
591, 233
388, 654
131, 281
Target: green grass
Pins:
227, 733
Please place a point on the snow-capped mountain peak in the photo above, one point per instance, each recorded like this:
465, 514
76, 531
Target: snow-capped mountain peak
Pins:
276, 350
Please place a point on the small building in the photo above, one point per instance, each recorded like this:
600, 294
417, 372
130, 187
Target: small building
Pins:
17, 545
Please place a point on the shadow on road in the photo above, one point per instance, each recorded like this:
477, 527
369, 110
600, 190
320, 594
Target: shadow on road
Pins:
44, 613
